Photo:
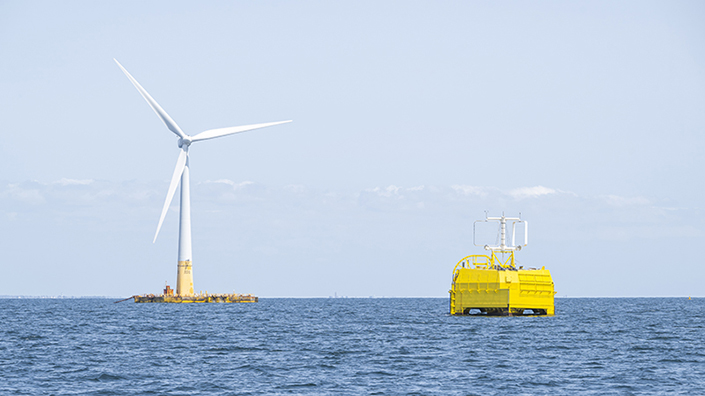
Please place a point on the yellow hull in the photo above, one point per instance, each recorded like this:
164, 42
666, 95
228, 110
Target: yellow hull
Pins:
199, 298
500, 290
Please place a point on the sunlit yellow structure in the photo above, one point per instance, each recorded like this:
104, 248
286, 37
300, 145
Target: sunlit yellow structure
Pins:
491, 285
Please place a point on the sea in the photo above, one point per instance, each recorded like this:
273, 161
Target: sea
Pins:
350, 346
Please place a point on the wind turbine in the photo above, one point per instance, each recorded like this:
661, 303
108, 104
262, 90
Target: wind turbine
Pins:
184, 275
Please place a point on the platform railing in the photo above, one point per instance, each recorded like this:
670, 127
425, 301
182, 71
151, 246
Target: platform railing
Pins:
482, 261
474, 261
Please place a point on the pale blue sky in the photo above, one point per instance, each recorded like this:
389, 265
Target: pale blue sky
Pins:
410, 120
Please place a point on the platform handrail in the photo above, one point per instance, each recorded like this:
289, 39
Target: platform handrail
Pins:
473, 260
483, 261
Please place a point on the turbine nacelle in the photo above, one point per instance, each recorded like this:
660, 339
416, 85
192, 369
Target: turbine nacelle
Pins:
184, 141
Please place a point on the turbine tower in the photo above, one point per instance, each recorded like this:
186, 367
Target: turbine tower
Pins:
184, 274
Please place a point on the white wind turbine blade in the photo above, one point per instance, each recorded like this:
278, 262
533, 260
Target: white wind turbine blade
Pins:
155, 106
214, 133
180, 164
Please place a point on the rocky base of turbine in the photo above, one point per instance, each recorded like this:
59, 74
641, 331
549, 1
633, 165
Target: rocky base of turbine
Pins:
198, 298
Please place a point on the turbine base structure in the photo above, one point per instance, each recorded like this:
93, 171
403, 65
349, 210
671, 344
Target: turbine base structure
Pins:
184, 279
196, 298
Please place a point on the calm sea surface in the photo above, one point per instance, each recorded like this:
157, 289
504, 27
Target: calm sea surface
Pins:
624, 346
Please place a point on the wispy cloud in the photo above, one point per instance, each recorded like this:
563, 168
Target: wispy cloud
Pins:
229, 182
615, 200
389, 191
471, 190
74, 182
601, 215
531, 192
24, 195
296, 188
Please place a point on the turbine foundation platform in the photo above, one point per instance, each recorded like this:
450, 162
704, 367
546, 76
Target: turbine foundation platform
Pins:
197, 298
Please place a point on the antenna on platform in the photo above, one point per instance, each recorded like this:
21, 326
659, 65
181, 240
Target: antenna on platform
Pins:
503, 247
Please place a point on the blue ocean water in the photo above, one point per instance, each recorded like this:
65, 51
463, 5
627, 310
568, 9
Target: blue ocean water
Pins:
404, 346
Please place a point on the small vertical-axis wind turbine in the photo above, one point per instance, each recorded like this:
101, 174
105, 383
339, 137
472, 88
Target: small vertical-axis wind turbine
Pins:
184, 277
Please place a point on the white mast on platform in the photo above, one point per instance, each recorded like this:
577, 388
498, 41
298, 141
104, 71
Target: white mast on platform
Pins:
503, 233
184, 277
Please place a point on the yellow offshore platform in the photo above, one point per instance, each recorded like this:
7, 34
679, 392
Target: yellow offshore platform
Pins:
490, 285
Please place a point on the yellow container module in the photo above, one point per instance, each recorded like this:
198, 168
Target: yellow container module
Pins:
486, 284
